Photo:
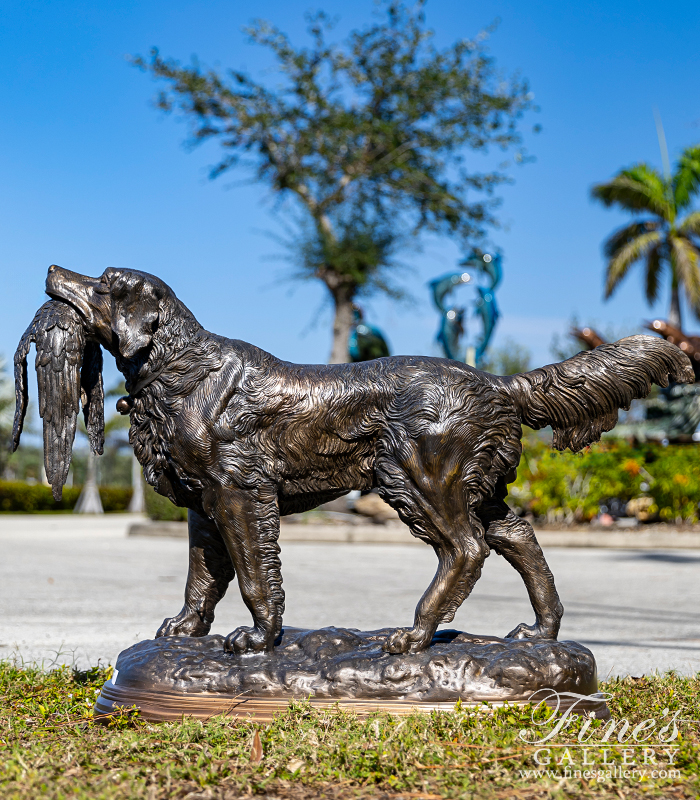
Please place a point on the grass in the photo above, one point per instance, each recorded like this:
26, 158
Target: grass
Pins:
50, 747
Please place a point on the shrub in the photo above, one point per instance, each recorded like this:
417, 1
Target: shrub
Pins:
159, 507
676, 483
29, 498
572, 487
115, 498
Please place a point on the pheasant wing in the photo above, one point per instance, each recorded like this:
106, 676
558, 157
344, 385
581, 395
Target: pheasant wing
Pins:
59, 336
59, 356
44, 319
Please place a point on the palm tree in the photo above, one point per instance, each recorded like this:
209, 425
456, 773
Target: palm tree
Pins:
663, 239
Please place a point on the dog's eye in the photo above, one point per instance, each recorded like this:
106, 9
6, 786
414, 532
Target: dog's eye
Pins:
101, 289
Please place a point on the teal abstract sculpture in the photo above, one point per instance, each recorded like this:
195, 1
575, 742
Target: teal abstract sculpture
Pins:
365, 341
452, 323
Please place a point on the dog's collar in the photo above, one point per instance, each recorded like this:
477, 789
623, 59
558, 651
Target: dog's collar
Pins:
141, 385
125, 404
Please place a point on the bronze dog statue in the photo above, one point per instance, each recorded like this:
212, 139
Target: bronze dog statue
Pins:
241, 438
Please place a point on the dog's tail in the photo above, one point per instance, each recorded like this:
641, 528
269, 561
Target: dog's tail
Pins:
580, 397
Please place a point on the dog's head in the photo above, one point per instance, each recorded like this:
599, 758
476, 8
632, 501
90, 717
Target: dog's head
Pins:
121, 309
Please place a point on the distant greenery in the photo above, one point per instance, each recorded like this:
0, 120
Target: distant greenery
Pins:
160, 508
28, 498
509, 359
50, 748
114, 467
567, 487
7, 402
665, 241
369, 139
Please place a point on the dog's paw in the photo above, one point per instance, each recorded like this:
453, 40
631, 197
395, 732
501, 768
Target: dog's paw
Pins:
247, 640
186, 623
524, 631
398, 642
407, 640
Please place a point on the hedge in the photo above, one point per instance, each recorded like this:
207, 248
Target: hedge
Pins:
28, 498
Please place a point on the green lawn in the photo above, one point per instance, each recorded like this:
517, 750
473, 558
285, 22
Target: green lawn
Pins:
50, 747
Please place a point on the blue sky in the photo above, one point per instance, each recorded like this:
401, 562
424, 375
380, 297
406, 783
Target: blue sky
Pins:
93, 176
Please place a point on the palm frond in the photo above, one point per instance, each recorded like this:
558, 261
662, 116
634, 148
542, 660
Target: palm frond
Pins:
640, 188
686, 179
686, 260
690, 225
619, 265
654, 268
623, 236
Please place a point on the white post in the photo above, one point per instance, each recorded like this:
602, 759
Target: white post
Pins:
89, 501
138, 501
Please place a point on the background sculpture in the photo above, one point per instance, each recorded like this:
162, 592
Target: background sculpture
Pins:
453, 321
449, 335
365, 341
240, 438
672, 415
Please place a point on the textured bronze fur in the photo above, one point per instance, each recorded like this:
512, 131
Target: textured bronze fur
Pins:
240, 437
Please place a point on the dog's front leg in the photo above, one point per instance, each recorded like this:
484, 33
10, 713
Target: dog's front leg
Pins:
248, 520
209, 575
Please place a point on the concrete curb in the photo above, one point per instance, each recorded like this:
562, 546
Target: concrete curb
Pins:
623, 540
343, 534
175, 530
399, 534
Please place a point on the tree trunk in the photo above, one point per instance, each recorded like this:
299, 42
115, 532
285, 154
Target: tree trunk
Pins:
674, 312
342, 323
343, 290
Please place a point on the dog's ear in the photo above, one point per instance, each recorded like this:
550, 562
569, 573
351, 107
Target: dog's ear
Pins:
135, 310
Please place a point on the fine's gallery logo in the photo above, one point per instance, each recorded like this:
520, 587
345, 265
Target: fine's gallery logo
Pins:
615, 748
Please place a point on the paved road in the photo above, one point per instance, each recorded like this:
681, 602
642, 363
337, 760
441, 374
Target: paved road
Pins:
77, 590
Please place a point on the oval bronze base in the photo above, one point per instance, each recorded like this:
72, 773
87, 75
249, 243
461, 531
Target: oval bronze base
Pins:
175, 676
159, 706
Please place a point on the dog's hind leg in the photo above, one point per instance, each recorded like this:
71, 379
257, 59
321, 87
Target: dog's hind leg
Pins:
210, 572
459, 568
437, 511
514, 539
249, 521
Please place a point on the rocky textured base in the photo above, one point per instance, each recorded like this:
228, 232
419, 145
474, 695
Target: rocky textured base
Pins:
337, 664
